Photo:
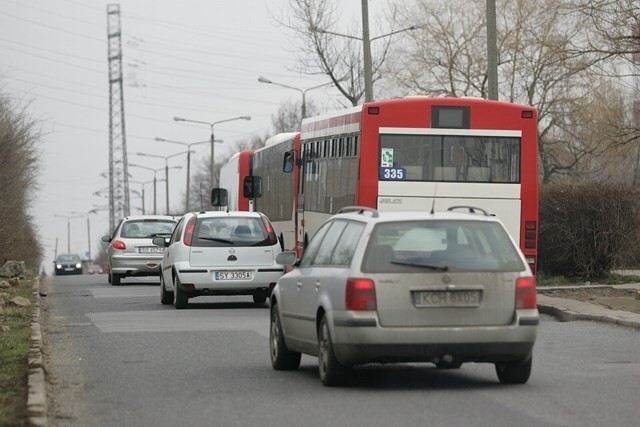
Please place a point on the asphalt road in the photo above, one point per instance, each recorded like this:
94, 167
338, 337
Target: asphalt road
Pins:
115, 356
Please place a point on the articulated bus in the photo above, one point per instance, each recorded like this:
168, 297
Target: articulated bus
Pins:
419, 153
277, 192
416, 153
278, 200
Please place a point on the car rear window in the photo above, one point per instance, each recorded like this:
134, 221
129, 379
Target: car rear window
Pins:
415, 246
147, 228
230, 231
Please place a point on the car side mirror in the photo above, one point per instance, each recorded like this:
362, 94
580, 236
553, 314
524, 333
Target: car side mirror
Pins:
286, 258
106, 239
219, 197
161, 241
252, 187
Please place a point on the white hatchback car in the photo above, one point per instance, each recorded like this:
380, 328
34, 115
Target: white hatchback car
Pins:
219, 253
382, 287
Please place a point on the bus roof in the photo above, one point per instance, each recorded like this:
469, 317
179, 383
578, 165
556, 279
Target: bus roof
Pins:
279, 138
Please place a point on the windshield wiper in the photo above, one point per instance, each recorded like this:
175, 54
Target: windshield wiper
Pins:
415, 264
216, 239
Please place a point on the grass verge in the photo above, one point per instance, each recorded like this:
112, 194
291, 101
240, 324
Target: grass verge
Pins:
15, 341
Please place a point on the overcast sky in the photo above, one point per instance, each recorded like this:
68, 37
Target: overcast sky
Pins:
198, 59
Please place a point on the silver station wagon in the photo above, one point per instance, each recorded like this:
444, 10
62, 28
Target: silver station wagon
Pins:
383, 287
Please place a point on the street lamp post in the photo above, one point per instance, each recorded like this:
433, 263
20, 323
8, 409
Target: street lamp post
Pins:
142, 184
166, 168
155, 183
92, 211
188, 144
492, 50
212, 139
68, 218
262, 79
366, 46
366, 53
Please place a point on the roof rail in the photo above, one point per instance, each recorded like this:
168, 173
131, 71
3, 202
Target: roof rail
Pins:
471, 209
358, 209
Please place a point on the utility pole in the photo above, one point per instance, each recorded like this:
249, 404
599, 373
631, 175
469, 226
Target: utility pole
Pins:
492, 50
366, 53
118, 166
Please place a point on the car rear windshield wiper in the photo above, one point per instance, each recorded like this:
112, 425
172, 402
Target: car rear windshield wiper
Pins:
415, 264
216, 239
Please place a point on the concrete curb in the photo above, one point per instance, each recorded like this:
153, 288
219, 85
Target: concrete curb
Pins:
567, 310
37, 397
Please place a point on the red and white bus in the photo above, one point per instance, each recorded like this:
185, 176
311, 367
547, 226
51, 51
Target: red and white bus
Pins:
232, 176
420, 152
415, 153
275, 193
278, 200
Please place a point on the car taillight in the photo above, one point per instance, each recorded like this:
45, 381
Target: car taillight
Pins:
360, 294
188, 231
526, 293
119, 244
273, 239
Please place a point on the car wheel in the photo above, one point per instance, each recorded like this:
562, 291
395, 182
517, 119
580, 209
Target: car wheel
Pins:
514, 372
332, 372
166, 297
259, 297
115, 279
180, 298
282, 359
109, 277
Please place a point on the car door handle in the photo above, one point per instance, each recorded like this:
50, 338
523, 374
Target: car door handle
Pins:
317, 286
298, 285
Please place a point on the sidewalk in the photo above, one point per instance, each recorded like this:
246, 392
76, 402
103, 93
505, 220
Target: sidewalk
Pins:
567, 310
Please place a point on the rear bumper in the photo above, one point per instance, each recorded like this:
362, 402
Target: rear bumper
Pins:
134, 266
361, 340
200, 281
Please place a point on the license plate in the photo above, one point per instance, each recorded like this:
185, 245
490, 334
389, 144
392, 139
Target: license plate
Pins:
151, 250
447, 298
68, 269
232, 275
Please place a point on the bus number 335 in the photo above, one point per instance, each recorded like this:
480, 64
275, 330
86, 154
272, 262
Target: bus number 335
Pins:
393, 173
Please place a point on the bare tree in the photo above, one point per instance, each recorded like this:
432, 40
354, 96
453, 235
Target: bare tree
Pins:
447, 56
614, 25
18, 175
289, 116
614, 34
321, 51
539, 65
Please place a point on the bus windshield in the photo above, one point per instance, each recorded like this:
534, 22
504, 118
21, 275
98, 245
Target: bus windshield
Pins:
453, 158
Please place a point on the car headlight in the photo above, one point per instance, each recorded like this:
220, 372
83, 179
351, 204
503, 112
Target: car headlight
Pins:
78, 265
58, 265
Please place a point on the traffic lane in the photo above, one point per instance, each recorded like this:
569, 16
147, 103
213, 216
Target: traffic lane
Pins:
224, 374
225, 378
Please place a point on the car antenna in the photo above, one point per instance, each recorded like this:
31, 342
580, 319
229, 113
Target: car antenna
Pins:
433, 204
